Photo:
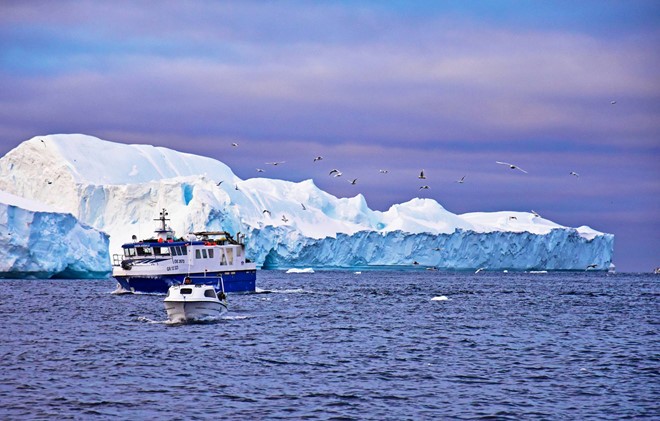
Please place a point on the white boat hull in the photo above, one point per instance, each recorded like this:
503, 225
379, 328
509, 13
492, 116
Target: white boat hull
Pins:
194, 311
193, 303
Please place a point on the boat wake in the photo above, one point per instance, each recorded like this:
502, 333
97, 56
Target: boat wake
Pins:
202, 321
288, 291
237, 317
120, 291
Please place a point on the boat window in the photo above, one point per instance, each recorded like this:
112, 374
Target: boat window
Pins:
204, 253
211, 253
129, 252
223, 259
184, 250
198, 255
186, 291
175, 251
143, 251
238, 251
230, 256
209, 293
162, 251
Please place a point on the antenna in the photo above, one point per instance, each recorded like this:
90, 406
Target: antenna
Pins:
162, 219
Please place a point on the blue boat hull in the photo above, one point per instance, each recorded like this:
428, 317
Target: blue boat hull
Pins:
240, 281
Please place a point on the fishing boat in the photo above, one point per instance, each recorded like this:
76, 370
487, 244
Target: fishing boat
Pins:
156, 264
191, 302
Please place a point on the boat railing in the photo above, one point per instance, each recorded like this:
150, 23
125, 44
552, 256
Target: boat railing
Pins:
224, 236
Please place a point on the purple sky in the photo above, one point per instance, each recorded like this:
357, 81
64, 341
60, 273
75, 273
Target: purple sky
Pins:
449, 87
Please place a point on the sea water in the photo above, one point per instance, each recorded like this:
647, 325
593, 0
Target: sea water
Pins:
339, 345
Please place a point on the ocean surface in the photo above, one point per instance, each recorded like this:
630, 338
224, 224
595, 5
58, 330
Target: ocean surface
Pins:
381, 345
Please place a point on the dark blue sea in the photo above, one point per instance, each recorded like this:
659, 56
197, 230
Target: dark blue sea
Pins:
339, 345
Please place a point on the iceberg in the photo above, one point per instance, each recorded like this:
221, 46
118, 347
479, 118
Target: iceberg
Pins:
39, 243
118, 189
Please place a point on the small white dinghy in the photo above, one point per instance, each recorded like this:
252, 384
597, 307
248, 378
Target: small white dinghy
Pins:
194, 303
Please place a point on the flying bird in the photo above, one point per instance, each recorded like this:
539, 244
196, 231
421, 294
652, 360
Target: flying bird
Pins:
574, 173
461, 181
592, 266
303, 206
353, 181
535, 214
236, 187
220, 182
284, 219
266, 211
234, 144
513, 217
421, 175
318, 158
260, 170
383, 171
275, 163
424, 188
612, 102
335, 172
513, 167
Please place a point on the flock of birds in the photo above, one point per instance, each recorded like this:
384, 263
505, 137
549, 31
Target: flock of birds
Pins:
422, 176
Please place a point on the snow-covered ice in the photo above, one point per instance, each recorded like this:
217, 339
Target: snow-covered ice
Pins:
120, 189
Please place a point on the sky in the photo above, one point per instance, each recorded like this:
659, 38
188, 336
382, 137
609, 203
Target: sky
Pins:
448, 87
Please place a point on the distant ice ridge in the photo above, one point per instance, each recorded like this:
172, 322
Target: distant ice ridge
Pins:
39, 243
120, 189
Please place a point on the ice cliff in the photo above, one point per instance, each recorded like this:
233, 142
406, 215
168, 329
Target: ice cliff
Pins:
120, 189
39, 243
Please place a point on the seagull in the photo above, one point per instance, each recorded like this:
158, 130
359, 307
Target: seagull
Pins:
303, 206
592, 266
335, 172
353, 181
236, 186
461, 181
284, 219
513, 217
612, 102
383, 171
424, 188
437, 249
275, 163
318, 158
574, 173
421, 175
479, 270
513, 167
266, 211
49, 182
234, 144
535, 214
260, 170
220, 182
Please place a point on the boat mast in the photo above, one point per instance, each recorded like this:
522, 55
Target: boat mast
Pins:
162, 232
